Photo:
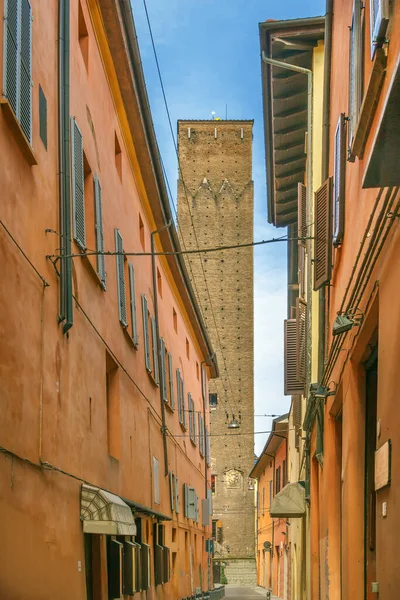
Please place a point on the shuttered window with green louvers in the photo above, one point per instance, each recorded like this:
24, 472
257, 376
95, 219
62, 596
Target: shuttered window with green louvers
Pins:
156, 372
120, 259
146, 336
134, 332
78, 185
323, 234
163, 370
18, 61
355, 74
171, 382
339, 181
379, 19
100, 261
191, 418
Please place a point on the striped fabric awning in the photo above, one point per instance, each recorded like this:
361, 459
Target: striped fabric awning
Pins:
105, 513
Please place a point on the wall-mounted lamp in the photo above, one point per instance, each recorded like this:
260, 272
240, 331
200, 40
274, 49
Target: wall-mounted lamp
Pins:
234, 424
346, 321
320, 391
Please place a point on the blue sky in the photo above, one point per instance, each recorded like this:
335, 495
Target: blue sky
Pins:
209, 57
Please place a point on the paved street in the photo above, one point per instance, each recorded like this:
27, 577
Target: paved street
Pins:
250, 593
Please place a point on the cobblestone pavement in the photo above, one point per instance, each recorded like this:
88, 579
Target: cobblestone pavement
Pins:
250, 593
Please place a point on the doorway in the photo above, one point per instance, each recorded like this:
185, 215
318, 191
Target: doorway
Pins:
371, 398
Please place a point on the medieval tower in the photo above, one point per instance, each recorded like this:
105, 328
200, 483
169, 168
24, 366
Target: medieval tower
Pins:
215, 208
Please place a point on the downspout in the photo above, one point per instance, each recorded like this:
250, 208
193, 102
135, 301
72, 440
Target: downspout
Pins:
309, 74
161, 373
325, 172
204, 362
66, 312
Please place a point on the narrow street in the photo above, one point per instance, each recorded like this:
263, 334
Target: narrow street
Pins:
251, 593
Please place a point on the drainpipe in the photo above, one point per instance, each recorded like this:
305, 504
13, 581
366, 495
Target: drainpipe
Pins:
161, 374
325, 172
308, 72
204, 362
283, 65
66, 312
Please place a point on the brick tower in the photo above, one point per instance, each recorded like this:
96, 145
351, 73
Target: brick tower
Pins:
215, 208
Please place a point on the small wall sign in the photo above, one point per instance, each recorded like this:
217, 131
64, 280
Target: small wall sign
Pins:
383, 466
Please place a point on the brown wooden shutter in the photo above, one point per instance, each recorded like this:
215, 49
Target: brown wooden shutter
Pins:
302, 270
292, 384
297, 419
301, 339
339, 173
302, 212
323, 234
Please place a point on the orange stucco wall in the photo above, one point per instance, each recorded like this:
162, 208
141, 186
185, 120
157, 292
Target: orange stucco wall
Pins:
53, 387
271, 563
337, 530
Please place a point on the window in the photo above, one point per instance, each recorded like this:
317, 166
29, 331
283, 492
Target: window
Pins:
213, 400
204, 383
187, 349
214, 530
277, 480
159, 283
181, 398
42, 117
192, 419
18, 62
197, 371
100, 262
175, 320
113, 407
339, 181
156, 374
146, 334
379, 18
191, 503
213, 484
118, 156
201, 435
263, 501
141, 233
284, 473
83, 37
120, 258
78, 185
134, 331
156, 481
170, 382
271, 492
355, 73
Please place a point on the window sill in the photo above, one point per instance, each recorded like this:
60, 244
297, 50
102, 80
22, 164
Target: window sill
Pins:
129, 337
183, 427
150, 374
369, 104
92, 269
167, 405
22, 141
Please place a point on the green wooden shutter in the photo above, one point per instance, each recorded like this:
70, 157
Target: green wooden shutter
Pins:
100, 261
172, 490
25, 104
78, 185
171, 381
177, 497
191, 417
179, 392
339, 167
135, 336
163, 371
42, 117
120, 278
194, 422
18, 61
184, 411
379, 19
11, 52
146, 338
155, 355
